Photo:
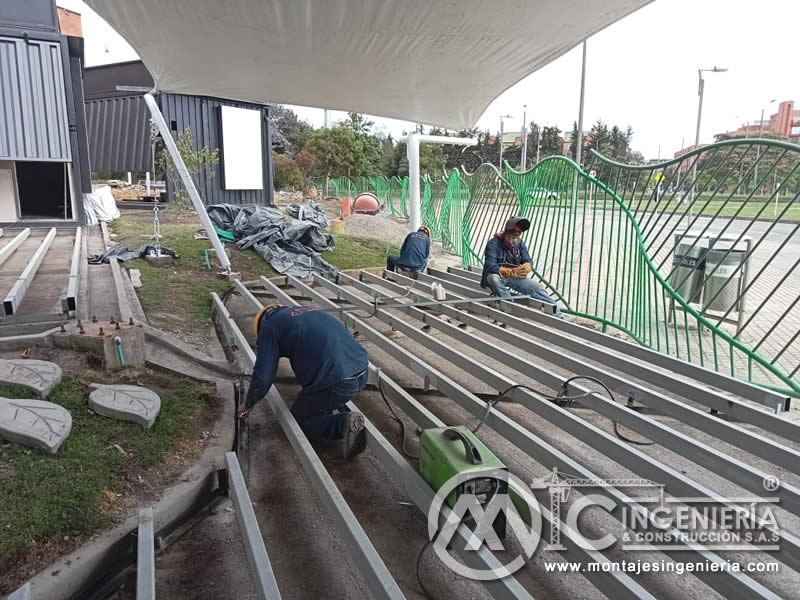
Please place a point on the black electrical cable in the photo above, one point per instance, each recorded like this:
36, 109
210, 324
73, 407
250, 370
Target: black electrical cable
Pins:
397, 418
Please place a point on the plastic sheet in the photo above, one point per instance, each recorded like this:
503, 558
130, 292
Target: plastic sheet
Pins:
310, 211
290, 245
100, 205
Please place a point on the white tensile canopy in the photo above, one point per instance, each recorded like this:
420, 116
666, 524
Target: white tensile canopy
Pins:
439, 62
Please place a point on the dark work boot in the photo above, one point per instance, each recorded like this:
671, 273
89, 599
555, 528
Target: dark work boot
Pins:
355, 437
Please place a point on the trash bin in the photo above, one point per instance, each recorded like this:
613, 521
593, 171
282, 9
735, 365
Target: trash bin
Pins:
725, 266
689, 264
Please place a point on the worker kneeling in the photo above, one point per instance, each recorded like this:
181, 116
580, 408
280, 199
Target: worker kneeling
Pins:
327, 361
507, 264
413, 253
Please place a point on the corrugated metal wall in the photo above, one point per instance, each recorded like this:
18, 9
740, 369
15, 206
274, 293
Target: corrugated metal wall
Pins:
119, 134
33, 109
202, 115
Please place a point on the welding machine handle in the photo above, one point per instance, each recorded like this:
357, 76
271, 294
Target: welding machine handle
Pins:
473, 455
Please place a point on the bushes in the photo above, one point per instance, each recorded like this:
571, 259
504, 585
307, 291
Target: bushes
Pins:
286, 173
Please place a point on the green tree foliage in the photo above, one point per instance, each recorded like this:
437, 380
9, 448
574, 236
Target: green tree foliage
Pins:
287, 130
200, 161
359, 123
339, 151
286, 173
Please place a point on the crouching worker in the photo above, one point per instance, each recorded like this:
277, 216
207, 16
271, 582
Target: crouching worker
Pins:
507, 264
413, 253
326, 360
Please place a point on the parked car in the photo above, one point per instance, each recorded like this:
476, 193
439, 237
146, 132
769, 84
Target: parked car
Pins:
540, 192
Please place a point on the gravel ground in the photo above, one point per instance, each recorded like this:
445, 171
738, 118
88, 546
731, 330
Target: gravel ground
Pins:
378, 227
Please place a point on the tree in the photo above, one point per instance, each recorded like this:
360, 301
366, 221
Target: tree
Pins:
287, 129
359, 123
286, 173
200, 161
305, 161
573, 142
339, 151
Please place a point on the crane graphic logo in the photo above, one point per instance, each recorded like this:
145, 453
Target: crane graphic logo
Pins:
481, 498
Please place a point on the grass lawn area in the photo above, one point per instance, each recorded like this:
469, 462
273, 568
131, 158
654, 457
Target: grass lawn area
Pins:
51, 503
177, 299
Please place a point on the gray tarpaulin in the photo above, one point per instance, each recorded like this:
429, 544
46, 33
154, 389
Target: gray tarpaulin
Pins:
310, 211
123, 253
290, 245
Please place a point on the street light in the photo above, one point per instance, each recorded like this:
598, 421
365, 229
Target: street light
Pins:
700, 88
501, 139
758, 148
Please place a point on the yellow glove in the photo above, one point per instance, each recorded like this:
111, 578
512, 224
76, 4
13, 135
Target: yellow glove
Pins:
507, 272
525, 268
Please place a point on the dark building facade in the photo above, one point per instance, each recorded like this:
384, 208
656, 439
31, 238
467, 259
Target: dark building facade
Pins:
118, 124
44, 159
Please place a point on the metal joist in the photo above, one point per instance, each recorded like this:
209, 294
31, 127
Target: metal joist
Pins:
70, 302
378, 578
773, 400
731, 584
740, 437
11, 246
631, 458
261, 569
17, 293
574, 338
145, 557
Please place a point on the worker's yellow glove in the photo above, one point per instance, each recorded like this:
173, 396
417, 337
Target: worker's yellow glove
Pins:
525, 268
507, 272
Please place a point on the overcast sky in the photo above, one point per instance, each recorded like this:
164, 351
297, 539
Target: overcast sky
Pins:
641, 71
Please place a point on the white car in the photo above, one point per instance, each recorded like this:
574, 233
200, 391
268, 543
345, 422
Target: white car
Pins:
540, 192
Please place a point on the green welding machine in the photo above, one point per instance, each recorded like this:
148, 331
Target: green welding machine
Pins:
449, 451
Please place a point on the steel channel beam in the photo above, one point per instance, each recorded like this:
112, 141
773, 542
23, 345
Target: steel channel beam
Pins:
125, 312
612, 583
379, 580
70, 302
508, 587
283, 298
731, 584
715, 461
513, 313
9, 248
17, 292
261, 569
745, 389
632, 458
246, 352
145, 557
22, 593
245, 293
753, 443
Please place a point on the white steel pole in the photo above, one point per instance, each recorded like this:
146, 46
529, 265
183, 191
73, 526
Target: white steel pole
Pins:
523, 163
183, 172
412, 152
579, 141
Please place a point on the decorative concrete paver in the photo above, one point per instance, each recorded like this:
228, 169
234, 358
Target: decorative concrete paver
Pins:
34, 423
38, 375
125, 403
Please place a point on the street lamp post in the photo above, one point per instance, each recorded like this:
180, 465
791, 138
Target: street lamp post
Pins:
523, 163
700, 88
758, 148
501, 140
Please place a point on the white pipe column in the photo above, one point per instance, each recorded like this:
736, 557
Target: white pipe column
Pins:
412, 153
166, 135
412, 141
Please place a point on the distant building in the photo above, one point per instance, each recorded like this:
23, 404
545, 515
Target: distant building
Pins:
566, 141
687, 164
785, 123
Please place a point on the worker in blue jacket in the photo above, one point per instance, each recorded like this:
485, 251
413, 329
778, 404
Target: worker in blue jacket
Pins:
326, 360
413, 253
507, 265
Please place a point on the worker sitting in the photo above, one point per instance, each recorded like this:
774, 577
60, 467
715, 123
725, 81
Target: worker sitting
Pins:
413, 253
326, 360
507, 264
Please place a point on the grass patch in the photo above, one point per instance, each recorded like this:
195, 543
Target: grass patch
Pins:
42, 496
178, 298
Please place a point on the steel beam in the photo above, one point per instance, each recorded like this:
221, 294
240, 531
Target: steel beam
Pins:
754, 443
253, 302
22, 593
145, 557
70, 302
755, 393
573, 337
17, 293
261, 569
186, 178
612, 583
483, 559
9, 248
379, 580
282, 297
731, 584
632, 458
684, 445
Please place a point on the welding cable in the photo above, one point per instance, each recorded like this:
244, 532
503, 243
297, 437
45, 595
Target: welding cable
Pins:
397, 418
383, 299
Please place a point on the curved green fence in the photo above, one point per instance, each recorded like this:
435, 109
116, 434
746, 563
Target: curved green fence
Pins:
696, 257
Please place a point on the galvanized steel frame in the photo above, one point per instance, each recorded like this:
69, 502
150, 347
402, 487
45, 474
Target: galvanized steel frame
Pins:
145, 557
20, 287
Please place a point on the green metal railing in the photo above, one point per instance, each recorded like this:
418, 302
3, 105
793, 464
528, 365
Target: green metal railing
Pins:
694, 257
